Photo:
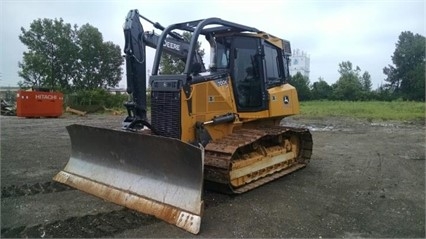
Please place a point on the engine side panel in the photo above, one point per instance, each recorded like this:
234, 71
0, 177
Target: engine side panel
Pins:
283, 101
207, 99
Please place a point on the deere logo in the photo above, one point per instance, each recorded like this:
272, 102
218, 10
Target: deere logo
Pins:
172, 45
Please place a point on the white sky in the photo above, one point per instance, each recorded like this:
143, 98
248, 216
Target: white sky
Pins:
363, 32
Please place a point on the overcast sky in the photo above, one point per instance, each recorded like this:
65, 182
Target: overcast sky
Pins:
363, 32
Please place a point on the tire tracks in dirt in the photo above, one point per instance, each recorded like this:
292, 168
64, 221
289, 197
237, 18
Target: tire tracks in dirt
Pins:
104, 224
99, 225
33, 189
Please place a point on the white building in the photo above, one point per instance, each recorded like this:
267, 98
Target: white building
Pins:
299, 62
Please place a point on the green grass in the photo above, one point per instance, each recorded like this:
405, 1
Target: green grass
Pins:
370, 110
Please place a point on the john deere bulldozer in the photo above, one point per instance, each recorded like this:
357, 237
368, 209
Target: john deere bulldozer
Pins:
217, 128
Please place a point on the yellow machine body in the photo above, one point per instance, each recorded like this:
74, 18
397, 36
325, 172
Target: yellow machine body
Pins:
212, 100
218, 128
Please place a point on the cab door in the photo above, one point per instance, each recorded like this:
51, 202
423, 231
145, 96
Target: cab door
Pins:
247, 73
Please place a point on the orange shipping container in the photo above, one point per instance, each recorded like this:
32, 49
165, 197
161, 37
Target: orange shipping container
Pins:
39, 104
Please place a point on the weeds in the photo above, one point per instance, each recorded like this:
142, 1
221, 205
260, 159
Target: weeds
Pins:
370, 110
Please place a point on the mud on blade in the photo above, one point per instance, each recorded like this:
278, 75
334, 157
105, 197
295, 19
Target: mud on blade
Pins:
151, 174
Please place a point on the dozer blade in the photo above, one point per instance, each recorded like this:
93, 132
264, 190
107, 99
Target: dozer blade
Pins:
158, 176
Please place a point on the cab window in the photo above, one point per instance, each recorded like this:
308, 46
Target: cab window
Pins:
247, 73
273, 60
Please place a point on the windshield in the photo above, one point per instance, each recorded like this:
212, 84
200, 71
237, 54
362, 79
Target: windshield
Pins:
219, 54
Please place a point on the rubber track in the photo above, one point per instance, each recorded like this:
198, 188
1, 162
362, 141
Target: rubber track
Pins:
218, 154
33, 189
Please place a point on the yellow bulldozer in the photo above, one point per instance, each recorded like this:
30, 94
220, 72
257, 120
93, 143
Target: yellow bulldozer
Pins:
217, 128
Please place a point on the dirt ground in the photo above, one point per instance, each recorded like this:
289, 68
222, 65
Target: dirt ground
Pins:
365, 179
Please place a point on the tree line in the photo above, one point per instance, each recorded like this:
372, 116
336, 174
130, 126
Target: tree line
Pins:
405, 79
68, 58
71, 59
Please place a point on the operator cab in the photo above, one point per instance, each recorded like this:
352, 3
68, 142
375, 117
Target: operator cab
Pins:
254, 64
256, 61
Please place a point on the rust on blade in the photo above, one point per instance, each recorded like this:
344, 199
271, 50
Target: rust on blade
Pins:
186, 220
131, 170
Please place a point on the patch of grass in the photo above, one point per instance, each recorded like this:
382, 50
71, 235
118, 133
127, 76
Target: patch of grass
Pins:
370, 110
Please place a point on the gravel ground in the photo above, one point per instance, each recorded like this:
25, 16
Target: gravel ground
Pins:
365, 179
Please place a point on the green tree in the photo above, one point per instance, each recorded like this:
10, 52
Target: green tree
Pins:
171, 65
301, 83
351, 85
50, 59
90, 47
67, 58
366, 82
348, 86
32, 71
321, 90
382, 93
111, 63
406, 77
394, 83
99, 61
366, 85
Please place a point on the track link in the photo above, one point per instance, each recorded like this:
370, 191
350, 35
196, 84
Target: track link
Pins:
251, 157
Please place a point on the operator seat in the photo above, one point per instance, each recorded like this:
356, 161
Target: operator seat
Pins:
196, 69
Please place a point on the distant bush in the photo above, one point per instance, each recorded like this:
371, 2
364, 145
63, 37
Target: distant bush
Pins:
95, 100
10, 97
